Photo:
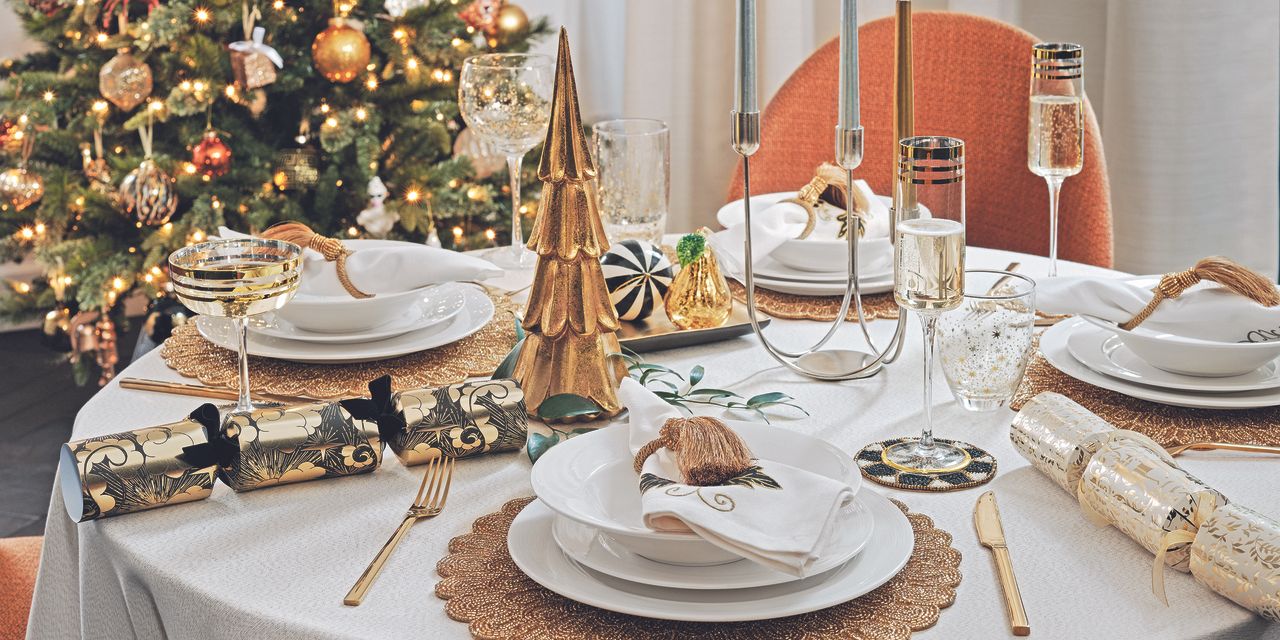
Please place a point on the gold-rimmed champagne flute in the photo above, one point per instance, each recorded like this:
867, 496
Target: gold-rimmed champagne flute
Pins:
928, 272
236, 278
506, 99
1055, 129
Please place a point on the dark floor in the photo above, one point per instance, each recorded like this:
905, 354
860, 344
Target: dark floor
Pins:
38, 404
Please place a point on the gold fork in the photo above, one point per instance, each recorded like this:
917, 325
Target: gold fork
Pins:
432, 494
1224, 446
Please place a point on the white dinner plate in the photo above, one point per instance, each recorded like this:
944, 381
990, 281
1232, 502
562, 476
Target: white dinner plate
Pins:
588, 546
878, 284
774, 270
1103, 351
439, 303
1053, 345
476, 312
884, 556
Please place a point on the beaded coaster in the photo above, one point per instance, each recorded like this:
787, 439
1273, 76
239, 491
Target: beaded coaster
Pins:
980, 470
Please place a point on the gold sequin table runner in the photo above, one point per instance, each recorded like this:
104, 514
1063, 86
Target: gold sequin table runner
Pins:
484, 588
477, 355
1166, 424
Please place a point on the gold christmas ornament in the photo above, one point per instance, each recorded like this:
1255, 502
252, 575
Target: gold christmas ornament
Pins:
341, 51
125, 80
512, 20
148, 193
296, 169
699, 296
21, 187
570, 323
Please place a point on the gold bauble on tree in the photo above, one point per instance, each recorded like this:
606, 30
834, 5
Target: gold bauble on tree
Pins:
341, 51
125, 80
512, 20
20, 187
570, 324
148, 193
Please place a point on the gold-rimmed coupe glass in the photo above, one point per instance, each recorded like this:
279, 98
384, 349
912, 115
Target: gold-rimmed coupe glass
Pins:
928, 272
506, 99
1055, 128
236, 278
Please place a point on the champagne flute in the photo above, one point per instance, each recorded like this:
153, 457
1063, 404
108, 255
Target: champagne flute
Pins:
1055, 132
236, 278
928, 273
506, 98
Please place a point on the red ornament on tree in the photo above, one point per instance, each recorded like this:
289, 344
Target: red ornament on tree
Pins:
482, 15
211, 156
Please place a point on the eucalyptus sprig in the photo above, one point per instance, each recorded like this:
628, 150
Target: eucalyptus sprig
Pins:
681, 391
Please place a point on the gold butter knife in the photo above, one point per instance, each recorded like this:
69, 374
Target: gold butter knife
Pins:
986, 518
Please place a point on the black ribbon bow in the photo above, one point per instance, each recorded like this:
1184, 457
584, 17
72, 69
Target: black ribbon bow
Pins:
218, 450
379, 407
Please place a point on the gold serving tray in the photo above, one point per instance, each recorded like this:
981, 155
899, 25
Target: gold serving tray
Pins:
657, 333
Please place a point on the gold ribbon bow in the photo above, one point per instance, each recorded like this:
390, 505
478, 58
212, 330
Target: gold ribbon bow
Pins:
1204, 507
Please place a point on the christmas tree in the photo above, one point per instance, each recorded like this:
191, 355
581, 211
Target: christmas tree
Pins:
570, 322
142, 127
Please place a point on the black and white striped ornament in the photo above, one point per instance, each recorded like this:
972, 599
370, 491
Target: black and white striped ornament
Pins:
637, 274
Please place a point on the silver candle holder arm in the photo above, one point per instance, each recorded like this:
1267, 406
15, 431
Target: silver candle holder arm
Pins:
816, 362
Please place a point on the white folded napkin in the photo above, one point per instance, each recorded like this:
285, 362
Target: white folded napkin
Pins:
403, 266
782, 520
1206, 311
783, 221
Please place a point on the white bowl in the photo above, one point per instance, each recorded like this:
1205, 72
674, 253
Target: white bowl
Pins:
589, 479
1191, 356
345, 314
875, 255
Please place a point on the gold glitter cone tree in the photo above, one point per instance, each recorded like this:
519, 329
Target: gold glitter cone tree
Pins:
569, 322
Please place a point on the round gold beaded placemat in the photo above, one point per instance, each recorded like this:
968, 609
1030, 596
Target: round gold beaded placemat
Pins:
824, 308
477, 355
1166, 424
484, 588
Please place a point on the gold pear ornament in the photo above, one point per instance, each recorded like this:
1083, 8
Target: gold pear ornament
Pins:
699, 296
570, 323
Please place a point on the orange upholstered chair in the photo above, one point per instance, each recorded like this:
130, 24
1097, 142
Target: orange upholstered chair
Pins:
972, 76
19, 558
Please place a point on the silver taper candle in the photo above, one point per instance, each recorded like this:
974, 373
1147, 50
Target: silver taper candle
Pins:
849, 109
745, 62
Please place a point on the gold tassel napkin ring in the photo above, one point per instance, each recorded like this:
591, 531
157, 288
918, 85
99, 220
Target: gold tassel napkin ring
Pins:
707, 451
331, 248
1233, 276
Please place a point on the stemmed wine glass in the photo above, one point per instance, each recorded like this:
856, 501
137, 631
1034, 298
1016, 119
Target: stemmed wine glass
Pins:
506, 98
1055, 133
236, 278
928, 272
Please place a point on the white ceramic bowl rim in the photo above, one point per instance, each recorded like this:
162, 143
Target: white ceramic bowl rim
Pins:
1141, 334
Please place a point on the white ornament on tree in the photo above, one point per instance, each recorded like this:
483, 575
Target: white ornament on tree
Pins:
397, 8
376, 219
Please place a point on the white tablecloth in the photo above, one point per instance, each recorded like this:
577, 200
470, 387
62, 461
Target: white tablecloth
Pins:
276, 563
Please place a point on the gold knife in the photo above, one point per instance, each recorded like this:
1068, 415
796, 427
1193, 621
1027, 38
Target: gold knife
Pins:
986, 518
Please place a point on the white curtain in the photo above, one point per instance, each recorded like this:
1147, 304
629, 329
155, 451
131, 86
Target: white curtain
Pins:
1186, 92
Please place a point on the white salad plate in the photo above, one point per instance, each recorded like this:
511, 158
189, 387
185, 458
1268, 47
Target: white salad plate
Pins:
1105, 352
1192, 356
1053, 345
476, 312
774, 270
438, 304
589, 479
884, 556
879, 284
589, 547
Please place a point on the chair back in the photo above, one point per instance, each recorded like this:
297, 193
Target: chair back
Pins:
972, 77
